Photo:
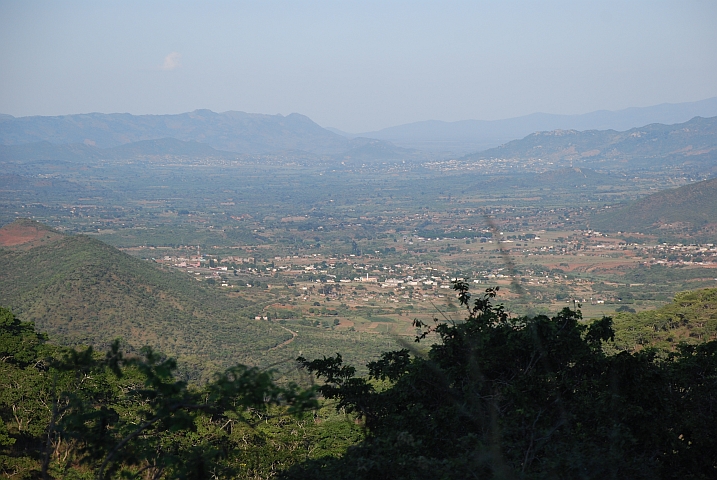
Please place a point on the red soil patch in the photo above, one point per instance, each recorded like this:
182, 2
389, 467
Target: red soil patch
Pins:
17, 234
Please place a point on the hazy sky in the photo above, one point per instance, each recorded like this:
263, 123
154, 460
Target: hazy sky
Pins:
356, 66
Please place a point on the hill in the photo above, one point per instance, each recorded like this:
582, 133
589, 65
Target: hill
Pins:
649, 146
690, 318
688, 211
27, 234
467, 136
81, 290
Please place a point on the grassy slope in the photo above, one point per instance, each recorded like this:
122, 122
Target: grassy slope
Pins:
84, 291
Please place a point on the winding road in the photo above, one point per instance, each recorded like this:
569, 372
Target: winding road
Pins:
283, 344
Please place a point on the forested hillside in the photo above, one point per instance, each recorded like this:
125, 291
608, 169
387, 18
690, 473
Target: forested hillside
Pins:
81, 414
83, 291
690, 210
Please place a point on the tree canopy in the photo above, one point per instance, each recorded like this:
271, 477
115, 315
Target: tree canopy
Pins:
72, 413
501, 397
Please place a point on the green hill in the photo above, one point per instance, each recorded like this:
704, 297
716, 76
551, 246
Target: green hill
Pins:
688, 210
690, 318
81, 290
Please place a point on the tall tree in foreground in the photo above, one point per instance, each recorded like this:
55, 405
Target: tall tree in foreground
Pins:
501, 397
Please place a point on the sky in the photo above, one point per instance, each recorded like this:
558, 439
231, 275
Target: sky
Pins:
355, 65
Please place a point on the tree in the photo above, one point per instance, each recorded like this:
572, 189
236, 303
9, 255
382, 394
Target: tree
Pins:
502, 397
19, 342
135, 416
23, 395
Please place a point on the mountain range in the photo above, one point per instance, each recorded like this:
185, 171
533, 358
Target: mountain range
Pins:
251, 133
467, 136
647, 146
231, 131
238, 132
692, 144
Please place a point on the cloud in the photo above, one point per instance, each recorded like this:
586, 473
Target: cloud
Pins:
171, 61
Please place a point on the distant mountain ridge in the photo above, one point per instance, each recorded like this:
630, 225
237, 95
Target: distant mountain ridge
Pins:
693, 141
202, 133
239, 132
251, 133
466, 136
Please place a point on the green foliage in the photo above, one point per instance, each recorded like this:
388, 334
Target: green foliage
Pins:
170, 428
502, 397
23, 396
78, 414
19, 342
690, 318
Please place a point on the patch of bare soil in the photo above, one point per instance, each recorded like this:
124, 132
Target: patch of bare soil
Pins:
23, 234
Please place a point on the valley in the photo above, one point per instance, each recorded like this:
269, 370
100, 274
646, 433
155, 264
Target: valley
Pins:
358, 241
218, 258
259, 258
